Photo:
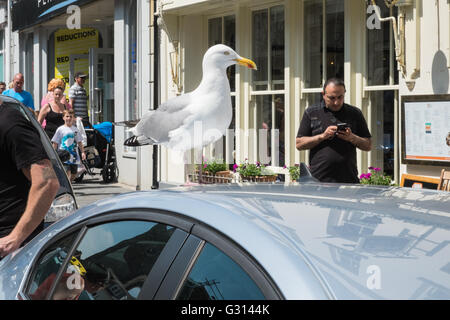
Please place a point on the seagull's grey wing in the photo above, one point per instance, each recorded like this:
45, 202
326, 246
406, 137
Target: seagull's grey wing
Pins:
170, 115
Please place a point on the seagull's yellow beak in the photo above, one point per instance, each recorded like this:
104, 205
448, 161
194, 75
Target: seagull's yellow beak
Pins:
246, 62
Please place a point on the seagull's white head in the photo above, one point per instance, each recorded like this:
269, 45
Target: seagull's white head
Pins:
223, 56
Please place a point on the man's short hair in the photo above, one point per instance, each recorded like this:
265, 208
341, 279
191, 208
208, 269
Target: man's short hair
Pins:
336, 81
80, 74
2, 83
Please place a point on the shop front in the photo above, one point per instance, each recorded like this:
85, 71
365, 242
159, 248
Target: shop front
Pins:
56, 39
297, 45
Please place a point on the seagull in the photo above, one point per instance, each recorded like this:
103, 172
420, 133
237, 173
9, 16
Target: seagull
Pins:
195, 119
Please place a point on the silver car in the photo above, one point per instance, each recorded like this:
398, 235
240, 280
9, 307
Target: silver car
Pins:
260, 241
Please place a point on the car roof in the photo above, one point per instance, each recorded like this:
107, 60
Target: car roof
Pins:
356, 241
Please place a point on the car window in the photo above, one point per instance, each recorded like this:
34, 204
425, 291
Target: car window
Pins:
111, 262
215, 276
48, 266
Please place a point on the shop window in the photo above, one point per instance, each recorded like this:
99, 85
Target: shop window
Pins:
222, 30
383, 106
268, 48
383, 101
267, 118
270, 129
132, 110
381, 62
324, 40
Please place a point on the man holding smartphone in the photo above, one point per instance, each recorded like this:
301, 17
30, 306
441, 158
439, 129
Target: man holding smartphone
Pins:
332, 130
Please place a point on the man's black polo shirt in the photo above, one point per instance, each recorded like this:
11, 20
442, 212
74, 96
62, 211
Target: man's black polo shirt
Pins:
20, 147
333, 160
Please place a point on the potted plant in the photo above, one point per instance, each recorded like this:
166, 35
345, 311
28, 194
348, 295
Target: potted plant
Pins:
294, 172
254, 172
214, 171
375, 177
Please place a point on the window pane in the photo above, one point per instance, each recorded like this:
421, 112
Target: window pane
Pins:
230, 40
48, 266
115, 259
224, 150
380, 49
260, 48
278, 159
313, 49
214, 31
277, 42
216, 277
132, 110
263, 128
313, 98
382, 130
335, 38
270, 129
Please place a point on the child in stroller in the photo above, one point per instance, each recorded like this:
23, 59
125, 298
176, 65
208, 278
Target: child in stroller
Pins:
100, 153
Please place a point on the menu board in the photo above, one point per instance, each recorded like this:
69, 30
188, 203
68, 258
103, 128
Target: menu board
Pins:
426, 129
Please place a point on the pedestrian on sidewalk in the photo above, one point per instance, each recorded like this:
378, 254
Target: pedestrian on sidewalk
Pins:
67, 137
333, 146
18, 93
28, 183
78, 99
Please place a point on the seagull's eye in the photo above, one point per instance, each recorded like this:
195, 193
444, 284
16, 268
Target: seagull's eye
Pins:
227, 53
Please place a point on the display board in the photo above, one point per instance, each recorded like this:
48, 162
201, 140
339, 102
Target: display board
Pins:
68, 42
419, 182
426, 130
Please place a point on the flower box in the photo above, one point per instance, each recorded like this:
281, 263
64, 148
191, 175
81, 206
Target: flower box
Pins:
208, 178
269, 178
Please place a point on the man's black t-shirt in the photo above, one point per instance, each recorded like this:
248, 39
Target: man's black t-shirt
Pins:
20, 147
333, 160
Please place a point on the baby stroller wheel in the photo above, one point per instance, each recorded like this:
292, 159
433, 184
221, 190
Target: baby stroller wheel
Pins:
109, 173
79, 178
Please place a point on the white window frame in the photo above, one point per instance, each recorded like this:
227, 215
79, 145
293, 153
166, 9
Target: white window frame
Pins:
209, 151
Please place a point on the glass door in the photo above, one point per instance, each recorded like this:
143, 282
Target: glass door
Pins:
101, 85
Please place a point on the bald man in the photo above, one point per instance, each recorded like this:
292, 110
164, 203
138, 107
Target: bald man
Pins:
18, 93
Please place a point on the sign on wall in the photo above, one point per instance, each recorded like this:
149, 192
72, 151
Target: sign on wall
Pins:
26, 13
72, 42
426, 130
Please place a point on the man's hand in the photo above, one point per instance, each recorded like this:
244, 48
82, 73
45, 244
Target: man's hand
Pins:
306, 143
330, 133
346, 135
8, 244
364, 144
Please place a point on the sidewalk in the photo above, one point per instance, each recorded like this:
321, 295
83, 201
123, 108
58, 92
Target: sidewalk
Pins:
92, 188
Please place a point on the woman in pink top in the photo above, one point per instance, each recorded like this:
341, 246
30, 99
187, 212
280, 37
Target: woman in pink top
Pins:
49, 98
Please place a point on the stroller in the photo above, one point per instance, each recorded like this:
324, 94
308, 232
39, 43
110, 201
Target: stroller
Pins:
100, 153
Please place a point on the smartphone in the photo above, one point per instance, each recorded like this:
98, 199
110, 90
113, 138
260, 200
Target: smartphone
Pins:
342, 126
